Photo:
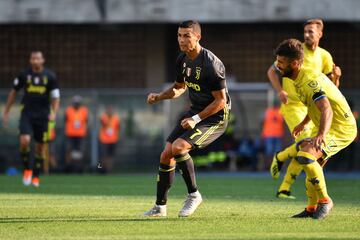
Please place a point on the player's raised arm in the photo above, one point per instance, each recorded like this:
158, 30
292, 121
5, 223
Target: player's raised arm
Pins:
176, 90
276, 83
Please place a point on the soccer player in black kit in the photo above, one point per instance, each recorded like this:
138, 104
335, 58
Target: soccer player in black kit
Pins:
40, 104
200, 71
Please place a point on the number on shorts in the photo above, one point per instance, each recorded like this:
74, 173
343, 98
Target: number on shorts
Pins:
198, 132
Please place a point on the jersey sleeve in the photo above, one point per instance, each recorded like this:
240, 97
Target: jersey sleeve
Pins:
179, 68
19, 82
327, 62
53, 83
313, 91
217, 76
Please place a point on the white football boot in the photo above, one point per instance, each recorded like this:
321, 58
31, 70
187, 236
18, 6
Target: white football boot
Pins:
156, 211
191, 203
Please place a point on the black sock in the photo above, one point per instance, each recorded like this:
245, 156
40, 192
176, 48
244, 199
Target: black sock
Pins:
37, 166
25, 157
186, 166
165, 179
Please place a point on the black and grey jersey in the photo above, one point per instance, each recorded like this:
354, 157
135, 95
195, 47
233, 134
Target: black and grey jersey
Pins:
37, 88
202, 76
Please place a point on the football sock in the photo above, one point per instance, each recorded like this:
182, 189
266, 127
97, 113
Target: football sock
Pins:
314, 174
25, 157
293, 170
311, 208
289, 152
164, 182
37, 166
186, 166
311, 193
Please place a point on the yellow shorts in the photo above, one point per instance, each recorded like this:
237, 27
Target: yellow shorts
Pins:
293, 114
337, 139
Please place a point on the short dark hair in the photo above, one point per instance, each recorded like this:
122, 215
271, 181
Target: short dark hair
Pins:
35, 52
317, 21
195, 25
290, 48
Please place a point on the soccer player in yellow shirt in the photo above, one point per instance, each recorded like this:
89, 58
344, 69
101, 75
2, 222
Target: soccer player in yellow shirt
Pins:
292, 109
334, 124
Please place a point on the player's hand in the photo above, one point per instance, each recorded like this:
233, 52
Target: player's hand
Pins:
318, 141
297, 130
52, 117
5, 119
336, 73
283, 96
153, 98
188, 123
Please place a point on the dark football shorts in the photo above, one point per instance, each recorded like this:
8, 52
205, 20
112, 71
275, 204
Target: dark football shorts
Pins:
37, 126
108, 149
204, 133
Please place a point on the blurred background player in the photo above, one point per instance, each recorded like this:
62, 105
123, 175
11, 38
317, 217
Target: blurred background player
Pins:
108, 137
272, 132
291, 108
76, 124
40, 104
334, 124
203, 74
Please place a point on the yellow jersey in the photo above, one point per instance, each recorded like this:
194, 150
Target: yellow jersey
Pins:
319, 60
295, 111
312, 86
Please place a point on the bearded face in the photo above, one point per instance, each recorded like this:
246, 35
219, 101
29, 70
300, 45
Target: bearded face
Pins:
284, 65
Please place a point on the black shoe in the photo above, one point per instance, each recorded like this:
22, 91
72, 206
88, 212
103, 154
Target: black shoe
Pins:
285, 195
303, 214
322, 210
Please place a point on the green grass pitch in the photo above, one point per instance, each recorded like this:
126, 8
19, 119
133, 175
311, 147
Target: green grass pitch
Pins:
109, 207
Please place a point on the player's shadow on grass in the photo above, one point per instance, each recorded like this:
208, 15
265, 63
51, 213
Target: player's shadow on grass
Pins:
82, 220
212, 186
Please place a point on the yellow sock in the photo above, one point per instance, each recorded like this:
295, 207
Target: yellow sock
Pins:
311, 194
289, 152
315, 175
293, 170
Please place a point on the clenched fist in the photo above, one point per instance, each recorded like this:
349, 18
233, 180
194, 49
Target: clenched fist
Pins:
188, 123
153, 98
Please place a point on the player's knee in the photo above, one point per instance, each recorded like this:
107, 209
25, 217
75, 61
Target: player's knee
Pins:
305, 158
167, 158
24, 142
180, 146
